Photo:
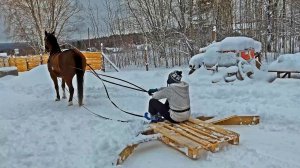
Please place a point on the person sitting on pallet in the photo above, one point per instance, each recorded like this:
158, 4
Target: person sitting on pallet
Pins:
177, 106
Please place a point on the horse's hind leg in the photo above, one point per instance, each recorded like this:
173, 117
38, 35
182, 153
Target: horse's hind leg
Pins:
63, 86
71, 89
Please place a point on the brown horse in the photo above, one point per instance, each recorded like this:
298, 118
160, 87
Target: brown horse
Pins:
65, 65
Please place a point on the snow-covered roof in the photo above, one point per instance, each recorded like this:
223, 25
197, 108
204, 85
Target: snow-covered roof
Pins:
235, 43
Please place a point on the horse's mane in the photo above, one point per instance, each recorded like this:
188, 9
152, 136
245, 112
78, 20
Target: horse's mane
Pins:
53, 40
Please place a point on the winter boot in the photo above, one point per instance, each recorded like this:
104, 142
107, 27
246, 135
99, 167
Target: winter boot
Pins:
153, 118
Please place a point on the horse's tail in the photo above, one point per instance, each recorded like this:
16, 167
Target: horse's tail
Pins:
80, 63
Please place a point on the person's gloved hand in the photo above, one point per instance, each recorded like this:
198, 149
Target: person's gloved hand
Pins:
151, 91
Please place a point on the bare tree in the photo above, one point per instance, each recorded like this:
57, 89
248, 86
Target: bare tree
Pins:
93, 14
175, 28
182, 16
26, 20
152, 18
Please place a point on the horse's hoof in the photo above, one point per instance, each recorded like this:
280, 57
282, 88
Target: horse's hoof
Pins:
57, 99
70, 103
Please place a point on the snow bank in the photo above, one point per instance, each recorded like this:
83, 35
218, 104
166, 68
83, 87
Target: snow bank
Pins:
286, 62
7, 69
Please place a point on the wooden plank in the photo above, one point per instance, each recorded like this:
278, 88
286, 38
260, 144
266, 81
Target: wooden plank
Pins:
213, 144
193, 132
237, 120
206, 145
129, 149
201, 134
204, 118
126, 152
176, 137
45, 59
192, 153
234, 136
94, 59
207, 131
21, 64
33, 61
212, 127
148, 132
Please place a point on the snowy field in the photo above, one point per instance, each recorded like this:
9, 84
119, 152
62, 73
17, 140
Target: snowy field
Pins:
37, 132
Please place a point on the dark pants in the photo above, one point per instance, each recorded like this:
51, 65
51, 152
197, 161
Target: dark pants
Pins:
155, 106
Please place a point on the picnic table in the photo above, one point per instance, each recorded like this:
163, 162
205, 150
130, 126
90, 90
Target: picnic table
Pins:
285, 64
284, 72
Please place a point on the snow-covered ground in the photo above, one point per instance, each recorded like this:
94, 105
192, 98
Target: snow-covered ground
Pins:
37, 132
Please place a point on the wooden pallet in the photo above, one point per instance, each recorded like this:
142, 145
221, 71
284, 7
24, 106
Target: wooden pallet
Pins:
194, 137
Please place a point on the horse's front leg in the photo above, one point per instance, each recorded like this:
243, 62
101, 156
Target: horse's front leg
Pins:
71, 89
63, 86
54, 78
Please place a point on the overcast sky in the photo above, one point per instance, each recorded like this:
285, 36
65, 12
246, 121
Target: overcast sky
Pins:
79, 35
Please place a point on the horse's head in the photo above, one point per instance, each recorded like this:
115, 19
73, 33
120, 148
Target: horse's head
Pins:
50, 42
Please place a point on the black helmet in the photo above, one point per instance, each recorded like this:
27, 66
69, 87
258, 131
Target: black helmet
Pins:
174, 77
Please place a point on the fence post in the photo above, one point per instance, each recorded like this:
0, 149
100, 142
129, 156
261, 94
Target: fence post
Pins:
103, 63
146, 58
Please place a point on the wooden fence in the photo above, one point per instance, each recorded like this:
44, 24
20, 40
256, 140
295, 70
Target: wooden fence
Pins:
26, 63
94, 59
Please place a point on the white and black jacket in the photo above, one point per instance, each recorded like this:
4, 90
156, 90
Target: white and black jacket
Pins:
177, 94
